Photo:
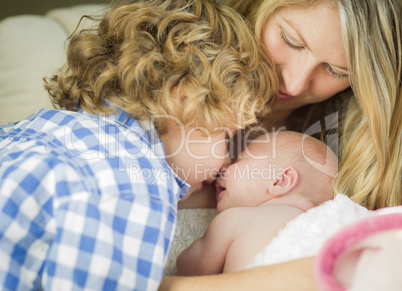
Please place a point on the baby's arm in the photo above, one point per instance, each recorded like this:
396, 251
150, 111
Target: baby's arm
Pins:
207, 254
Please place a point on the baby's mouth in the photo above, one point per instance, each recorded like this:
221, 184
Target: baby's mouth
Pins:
219, 189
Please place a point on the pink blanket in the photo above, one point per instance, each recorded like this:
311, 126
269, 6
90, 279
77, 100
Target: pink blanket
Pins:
365, 255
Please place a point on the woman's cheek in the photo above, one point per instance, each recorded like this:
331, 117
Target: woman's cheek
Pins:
274, 44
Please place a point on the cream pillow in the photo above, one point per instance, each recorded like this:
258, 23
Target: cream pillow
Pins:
70, 17
33, 47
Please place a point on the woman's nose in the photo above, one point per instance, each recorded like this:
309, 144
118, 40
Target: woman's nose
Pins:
297, 77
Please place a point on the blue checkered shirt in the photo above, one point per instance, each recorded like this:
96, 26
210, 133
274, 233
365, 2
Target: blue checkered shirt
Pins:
86, 202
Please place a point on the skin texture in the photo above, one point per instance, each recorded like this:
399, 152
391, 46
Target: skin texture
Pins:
234, 238
274, 165
310, 62
282, 277
196, 155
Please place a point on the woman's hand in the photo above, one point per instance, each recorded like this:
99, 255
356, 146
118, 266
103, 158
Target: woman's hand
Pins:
288, 276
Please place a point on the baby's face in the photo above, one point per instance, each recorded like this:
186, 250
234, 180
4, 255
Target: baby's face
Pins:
246, 182
260, 168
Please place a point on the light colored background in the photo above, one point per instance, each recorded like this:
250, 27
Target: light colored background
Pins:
14, 7
33, 46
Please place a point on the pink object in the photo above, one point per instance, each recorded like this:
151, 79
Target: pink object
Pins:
363, 255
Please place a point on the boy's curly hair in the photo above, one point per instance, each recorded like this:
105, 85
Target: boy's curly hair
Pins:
142, 50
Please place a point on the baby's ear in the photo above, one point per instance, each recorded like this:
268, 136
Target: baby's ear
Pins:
285, 183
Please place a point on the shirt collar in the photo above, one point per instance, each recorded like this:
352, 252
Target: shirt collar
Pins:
155, 143
157, 147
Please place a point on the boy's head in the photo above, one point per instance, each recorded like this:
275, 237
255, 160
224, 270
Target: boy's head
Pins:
183, 64
194, 60
279, 164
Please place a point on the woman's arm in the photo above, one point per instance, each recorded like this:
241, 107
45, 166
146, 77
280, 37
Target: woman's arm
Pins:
293, 275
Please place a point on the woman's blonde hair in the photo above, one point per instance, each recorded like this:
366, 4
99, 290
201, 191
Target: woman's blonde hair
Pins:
141, 51
370, 169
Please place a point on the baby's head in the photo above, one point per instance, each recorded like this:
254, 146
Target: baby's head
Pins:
276, 166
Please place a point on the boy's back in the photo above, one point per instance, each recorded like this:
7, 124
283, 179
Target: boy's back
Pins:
74, 210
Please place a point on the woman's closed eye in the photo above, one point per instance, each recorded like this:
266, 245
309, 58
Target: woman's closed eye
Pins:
331, 71
290, 43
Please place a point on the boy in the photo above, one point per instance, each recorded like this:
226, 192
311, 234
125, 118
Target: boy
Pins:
88, 193
256, 196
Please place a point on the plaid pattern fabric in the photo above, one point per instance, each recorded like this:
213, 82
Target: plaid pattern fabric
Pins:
86, 202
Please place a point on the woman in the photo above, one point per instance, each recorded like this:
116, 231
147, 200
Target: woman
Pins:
321, 48
331, 56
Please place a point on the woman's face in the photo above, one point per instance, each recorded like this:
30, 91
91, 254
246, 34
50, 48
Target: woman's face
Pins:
307, 48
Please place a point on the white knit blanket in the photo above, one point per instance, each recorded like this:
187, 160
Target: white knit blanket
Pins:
191, 225
304, 235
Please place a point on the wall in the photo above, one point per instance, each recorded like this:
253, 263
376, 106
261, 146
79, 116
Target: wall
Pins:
14, 7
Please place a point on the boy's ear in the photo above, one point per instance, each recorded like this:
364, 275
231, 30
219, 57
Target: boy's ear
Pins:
174, 122
285, 183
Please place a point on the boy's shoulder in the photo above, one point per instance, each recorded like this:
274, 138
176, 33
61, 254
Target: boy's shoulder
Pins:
77, 127
108, 152
82, 138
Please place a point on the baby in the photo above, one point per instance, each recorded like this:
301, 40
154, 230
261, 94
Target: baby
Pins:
276, 178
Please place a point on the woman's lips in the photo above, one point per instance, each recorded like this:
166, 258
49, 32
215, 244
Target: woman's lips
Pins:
283, 96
